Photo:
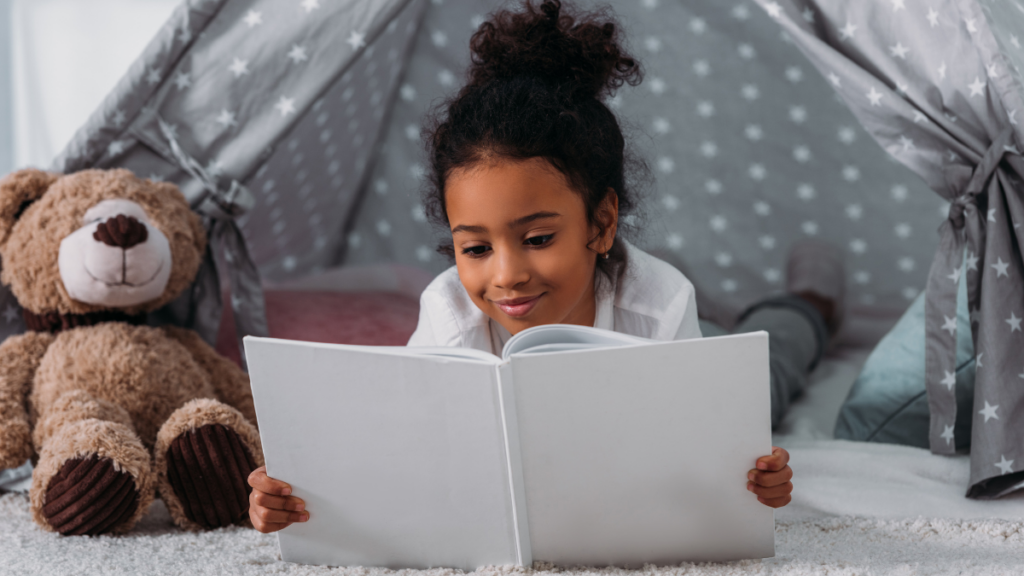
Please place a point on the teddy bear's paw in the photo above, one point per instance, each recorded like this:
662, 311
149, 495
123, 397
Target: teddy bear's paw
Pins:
90, 496
207, 468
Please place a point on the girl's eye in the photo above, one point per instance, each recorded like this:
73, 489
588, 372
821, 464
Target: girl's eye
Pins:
476, 250
539, 240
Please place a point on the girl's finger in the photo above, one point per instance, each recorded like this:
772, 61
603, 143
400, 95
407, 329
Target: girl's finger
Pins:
268, 516
264, 500
770, 478
265, 528
260, 481
775, 503
772, 492
778, 460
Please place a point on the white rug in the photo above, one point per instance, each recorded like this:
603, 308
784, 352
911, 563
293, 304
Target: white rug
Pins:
858, 509
833, 546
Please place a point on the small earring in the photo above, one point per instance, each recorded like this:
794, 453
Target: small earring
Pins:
605, 255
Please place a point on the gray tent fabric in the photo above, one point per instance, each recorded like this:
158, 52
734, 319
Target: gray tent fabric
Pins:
749, 147
226, 91
936, 82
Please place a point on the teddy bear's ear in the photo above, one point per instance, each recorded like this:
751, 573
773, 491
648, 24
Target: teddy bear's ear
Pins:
17, 192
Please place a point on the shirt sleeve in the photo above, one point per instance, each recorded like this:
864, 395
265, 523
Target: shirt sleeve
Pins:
689, 326
424, 334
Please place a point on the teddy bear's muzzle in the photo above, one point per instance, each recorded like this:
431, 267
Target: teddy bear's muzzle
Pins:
116, 260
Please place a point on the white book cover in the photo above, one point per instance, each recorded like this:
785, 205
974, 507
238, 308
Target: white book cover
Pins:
578, 447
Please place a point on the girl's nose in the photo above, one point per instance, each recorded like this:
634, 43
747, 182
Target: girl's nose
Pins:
510, 270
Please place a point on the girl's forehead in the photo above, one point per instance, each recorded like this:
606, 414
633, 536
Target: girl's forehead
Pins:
500, 192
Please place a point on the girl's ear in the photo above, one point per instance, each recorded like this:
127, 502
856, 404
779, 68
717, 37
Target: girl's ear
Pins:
607, 214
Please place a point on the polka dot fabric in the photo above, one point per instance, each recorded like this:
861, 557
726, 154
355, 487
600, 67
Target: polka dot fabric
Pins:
750, 148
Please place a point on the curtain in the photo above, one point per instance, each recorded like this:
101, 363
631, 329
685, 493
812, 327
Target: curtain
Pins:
936, 83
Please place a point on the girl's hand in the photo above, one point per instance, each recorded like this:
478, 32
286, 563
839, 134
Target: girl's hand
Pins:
271, 507
771, 479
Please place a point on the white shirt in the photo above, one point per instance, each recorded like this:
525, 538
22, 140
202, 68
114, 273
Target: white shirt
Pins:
651, 300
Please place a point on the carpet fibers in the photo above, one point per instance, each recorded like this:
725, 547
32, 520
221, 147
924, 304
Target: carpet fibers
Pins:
832, 546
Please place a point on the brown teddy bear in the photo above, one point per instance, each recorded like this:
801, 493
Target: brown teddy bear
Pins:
91, 391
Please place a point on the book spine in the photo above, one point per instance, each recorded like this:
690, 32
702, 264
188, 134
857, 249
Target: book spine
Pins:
506, 397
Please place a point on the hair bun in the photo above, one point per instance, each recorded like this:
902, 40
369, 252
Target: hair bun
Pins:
578, 53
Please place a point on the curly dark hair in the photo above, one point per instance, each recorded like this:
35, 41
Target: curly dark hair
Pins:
535, 90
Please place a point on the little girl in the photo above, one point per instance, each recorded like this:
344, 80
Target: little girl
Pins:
528, 174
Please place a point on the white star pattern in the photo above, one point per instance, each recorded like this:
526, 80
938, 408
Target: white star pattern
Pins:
949, 324
933, 17
875, 97
310, 5
1005, 466
1014, 323
356, 40
1001, 268
285, 106
955, 276
834, 79
991, 214
226, 118
253, 18
848, 31
949, 380
971, 261
942, 71
116, 148
297, 54
897, 5
153, 77
239, 67
989, 411
182, 81
977, 87
774, 10
10, 314
899, 51
947, 434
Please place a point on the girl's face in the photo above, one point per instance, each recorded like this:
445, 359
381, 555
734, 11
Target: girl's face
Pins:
523, 247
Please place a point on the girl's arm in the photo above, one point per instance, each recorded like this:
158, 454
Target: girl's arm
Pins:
771, 479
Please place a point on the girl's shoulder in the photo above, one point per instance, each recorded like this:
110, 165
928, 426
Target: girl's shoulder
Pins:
448, 317
655, 296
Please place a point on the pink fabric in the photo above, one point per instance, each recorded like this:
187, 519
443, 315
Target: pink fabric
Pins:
368, 318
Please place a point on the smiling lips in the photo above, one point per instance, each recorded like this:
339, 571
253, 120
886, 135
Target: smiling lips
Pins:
518, 307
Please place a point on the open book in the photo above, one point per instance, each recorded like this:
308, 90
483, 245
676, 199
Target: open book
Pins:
578, 446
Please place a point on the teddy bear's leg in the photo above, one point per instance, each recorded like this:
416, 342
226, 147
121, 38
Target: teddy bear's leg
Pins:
94, 475
204, 454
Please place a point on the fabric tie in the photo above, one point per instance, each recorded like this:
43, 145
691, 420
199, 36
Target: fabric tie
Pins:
221, 208
964, 226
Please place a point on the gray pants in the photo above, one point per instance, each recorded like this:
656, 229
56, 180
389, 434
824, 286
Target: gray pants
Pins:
797, 338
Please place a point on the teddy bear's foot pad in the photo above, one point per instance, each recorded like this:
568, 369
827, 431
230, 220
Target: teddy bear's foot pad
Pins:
208, 468
89, 496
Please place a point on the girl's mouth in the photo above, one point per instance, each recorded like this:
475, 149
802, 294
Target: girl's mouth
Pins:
518, 307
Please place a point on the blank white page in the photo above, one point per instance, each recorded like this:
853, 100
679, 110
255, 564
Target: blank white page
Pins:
400, 459
640, 454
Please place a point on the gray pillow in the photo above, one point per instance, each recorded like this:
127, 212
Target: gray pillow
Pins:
888, 402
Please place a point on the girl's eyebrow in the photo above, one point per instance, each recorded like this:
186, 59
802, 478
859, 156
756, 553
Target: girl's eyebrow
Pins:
513, 224
532, 217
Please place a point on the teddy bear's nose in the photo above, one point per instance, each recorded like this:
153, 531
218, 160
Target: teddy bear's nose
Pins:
121, 231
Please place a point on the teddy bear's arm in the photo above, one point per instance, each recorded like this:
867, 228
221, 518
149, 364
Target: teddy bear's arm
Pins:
19, 358
230, 383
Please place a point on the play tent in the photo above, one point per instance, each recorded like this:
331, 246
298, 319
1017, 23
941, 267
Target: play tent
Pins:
293, 127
